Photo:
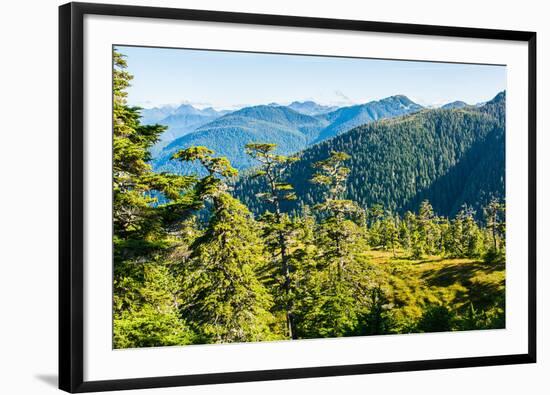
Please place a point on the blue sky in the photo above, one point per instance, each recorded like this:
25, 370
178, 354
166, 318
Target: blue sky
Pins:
226, 80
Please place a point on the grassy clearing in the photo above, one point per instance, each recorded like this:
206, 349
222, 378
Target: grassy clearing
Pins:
458, 284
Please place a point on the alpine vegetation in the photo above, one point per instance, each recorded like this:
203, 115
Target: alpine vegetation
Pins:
300, 221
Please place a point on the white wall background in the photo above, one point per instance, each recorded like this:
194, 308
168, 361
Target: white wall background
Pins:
28, 195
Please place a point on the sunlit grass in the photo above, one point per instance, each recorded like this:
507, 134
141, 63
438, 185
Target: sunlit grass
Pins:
414, 284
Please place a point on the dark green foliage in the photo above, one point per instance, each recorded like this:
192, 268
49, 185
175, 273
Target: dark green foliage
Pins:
278, 229
378, 320
475, 319
436, 319
145, 294
222, 296
343, 276
496, 224
463, 237
449, 157
150, 318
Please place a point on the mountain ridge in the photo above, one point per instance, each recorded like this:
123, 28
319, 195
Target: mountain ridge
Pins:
291, 130
179, 120
449, 157
346, 118
309, 107
454, 105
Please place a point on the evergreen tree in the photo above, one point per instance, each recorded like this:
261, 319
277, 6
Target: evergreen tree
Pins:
278, 226
374, 216
436, 318
494, 217
405, 231
341, 216
413, 236
224, 298
301, 238
152, 319
141, 229
463, 238
427, 227
343, 277
135, 215
378, 320
389, 232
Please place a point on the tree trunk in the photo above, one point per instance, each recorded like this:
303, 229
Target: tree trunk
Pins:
286, 285
285, 269
495, 246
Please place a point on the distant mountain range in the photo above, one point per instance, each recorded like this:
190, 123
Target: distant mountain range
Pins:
449, 156
347, 118
180, 120
310, 108
293, 128
229, 134
454, 105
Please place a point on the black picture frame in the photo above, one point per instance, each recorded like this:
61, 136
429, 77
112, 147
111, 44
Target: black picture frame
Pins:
71, 197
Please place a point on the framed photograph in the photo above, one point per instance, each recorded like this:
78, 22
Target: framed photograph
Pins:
250, 197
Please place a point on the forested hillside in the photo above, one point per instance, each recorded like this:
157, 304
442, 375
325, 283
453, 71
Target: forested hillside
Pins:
449, 157
347, 118
290, 127
229, 134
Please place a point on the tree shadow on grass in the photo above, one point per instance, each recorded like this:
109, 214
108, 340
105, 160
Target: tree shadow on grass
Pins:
482, 294
441, 259
485, 295
459, 273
